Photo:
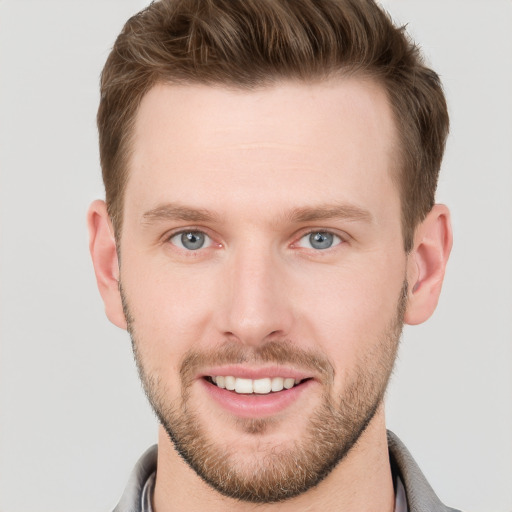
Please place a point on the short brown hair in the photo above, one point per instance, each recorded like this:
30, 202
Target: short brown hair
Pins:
253, 43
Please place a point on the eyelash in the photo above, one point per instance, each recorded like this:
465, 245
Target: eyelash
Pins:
337, 239
169, 237
341, 239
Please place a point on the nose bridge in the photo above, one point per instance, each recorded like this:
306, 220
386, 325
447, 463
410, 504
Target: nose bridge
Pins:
256, 306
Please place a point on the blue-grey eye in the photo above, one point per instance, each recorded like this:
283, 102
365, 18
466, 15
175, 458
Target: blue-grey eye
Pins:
191, 240
319, 240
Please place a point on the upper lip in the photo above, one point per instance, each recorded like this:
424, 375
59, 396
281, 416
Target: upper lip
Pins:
254, 373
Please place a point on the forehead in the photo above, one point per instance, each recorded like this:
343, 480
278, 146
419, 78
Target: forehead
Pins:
335, 137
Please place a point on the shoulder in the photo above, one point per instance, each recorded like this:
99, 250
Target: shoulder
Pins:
131, 500
420, 495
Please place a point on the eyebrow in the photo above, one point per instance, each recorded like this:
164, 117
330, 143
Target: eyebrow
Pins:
174, 211
330, 211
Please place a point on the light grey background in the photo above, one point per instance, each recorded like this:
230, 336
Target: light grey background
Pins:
73, 419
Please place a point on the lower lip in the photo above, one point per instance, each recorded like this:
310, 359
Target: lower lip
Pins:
254, 405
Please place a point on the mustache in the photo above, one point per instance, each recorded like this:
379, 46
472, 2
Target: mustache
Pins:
282, 352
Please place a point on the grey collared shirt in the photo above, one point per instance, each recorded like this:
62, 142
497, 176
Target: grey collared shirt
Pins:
149, 487
413, 492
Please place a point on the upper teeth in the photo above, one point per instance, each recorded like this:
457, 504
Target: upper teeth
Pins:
259, 386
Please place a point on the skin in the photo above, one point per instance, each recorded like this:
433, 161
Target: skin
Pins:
269, 166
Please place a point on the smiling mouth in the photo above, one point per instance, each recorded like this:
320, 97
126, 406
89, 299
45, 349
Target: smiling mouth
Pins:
263, 386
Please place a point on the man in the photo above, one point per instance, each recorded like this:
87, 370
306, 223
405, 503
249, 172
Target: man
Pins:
269, 225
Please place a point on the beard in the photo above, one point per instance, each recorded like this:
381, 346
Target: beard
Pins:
273, 473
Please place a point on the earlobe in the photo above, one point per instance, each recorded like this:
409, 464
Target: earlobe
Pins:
102, 247
427, 263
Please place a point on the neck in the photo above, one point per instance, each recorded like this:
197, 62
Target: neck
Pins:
361, 481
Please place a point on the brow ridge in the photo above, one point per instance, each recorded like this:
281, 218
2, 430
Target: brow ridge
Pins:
330, 211
176, 211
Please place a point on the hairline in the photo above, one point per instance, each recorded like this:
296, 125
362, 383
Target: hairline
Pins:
398, 158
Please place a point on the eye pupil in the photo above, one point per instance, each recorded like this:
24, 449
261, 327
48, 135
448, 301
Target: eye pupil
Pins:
193, 240
321, 240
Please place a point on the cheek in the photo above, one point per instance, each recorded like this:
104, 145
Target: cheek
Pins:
353, 312
171, 309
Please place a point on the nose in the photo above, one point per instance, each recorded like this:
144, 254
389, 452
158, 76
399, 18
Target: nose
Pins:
256, 305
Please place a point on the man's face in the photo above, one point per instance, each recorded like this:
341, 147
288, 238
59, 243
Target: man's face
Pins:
262, 249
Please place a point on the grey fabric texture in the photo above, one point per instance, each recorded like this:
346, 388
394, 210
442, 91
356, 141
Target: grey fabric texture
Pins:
420, 496
400, 496
147, 493
131, 500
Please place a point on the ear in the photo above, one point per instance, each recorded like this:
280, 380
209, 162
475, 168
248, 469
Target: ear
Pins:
427, 263
102, 247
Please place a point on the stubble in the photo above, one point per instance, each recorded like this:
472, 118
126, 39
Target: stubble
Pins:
279, 472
